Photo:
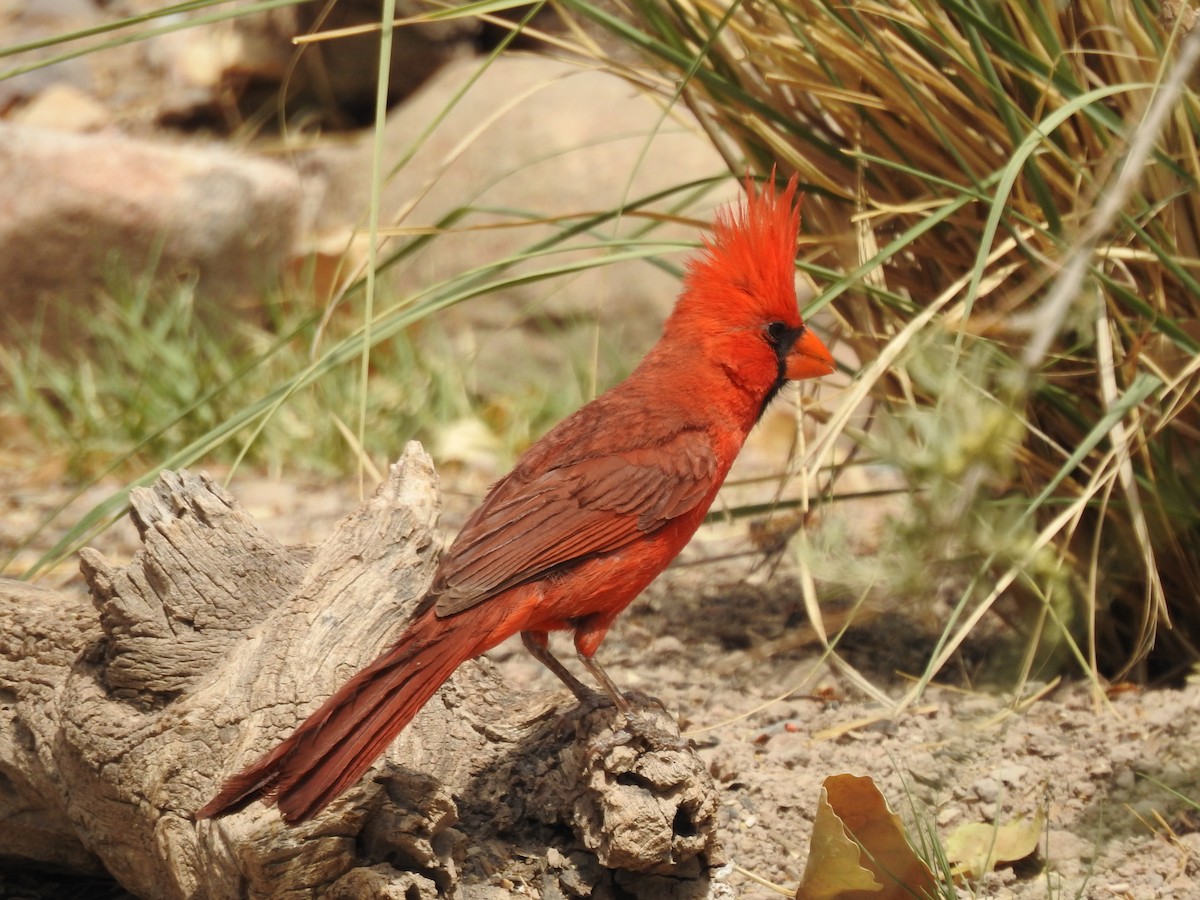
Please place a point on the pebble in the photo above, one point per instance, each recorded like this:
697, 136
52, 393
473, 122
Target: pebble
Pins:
1013, 776
948, 816
986, 789
924, 769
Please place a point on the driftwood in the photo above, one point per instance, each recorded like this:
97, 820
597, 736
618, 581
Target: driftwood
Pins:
215, 640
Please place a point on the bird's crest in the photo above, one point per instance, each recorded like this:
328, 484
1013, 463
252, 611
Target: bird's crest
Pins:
752, 249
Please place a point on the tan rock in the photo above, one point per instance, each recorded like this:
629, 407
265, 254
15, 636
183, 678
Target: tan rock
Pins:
64, 107
534, 138
74, 208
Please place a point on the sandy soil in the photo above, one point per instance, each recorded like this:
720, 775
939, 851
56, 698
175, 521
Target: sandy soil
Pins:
722, 640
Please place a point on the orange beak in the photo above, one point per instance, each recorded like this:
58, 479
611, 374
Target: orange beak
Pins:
808, 358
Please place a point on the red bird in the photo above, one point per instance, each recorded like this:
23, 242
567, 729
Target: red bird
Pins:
589, 516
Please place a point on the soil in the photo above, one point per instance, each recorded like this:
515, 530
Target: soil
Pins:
722, 640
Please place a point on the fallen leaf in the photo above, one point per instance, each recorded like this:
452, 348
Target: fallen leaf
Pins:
859, 850
977, 848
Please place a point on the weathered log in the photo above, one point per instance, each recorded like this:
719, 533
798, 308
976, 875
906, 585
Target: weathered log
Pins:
215, 641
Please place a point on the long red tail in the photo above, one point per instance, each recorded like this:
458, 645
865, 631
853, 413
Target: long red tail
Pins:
334, 746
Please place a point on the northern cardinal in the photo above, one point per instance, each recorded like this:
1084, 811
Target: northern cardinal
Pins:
590, 514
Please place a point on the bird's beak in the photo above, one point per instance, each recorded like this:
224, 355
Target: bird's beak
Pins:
808, 358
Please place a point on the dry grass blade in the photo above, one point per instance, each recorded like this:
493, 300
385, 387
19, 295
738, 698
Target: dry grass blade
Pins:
1028, 169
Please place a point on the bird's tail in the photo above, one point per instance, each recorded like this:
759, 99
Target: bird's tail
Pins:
334, 746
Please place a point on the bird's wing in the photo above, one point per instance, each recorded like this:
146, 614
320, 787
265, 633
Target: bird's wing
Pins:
527, 528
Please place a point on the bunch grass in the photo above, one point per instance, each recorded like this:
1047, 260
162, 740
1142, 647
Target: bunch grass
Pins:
1033, 347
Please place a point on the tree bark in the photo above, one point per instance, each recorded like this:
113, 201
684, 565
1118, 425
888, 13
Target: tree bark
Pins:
215, 641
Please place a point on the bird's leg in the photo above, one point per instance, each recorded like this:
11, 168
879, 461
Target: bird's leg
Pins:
537, 644
610, 686
636, 724
589, 632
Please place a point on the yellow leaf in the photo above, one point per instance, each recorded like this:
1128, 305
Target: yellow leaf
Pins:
858, 849
977, 848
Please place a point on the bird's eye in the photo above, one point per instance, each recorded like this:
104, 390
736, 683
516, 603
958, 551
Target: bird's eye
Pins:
776, 331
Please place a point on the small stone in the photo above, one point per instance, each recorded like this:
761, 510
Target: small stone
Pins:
948, 816
986, 789
925, 769
64, 107
1013, 775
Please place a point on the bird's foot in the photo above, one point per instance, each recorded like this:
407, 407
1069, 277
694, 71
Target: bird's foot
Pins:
641, 705
646, 723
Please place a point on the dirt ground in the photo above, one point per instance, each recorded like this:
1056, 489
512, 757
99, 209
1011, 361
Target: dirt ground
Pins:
722, 640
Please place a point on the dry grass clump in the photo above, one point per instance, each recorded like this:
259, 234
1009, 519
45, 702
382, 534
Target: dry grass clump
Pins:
976, 188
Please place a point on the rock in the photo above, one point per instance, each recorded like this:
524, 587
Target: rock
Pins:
987, 789
347, 68
27, 23
65, 107
1015, 775
219, 74
534, 137
242, 67
73, 207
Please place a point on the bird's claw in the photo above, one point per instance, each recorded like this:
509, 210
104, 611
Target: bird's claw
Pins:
639, 701
640, 727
